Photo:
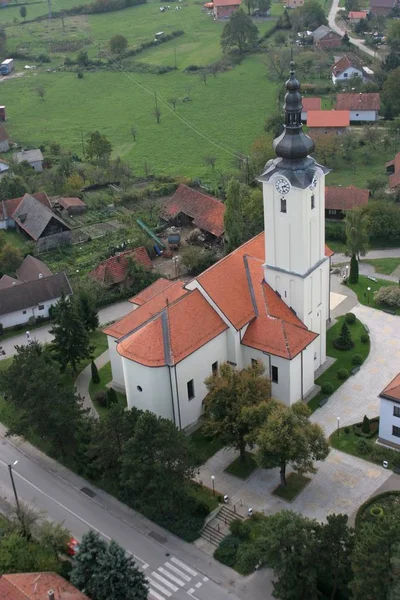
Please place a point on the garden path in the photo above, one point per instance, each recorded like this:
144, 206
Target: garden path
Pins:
83, 380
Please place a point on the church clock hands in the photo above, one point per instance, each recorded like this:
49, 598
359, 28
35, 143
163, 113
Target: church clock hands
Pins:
282, 186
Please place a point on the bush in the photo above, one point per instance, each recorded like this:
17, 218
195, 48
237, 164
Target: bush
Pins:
347, 430
65, 569
101, 398
327, 388
227, 551
362, 446
376, 511
80, 75
366, 427
343, 374
247, 558
364, 338
112, 397
240, 529
32, 321
335, 231
95, 372
357, 359
1, 329
389, 295
350, 318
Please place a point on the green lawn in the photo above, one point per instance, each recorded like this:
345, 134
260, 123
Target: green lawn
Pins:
242, 469
15, 239
367, 298
295, 483
386, 502
343, 357
105, 377
383, 265
204, 447
204, 494
367, 449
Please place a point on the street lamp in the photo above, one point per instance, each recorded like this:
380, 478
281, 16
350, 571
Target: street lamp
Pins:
338, 425
213, 484
368, 290
175, 260
10, 467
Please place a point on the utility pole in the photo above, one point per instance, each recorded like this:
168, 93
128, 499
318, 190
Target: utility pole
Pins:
155, 98
13, 485
49, 4
175, 56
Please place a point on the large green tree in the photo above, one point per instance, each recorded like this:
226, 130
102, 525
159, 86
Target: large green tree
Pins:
357, 237
17, 555
86, 563
234, 396
97, 146
87, 309
288, 437
391, 94
336, 548
239, 32
118, 44
308, 17
118, 577
12, 187
71, 343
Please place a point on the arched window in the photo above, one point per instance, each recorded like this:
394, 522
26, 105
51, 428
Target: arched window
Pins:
283, 205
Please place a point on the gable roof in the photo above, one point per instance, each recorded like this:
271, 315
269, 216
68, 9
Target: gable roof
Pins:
226, 2
345, 198
113, 270
7, 207
358, 101
32, 293
328, 118
152, 290
31, 268
321, 32
394, 179
33, 217
29, 155
6, 282
206, 211
358, 14
382, 3
35, 586
311, 104
392, 390
69, 202
344, 63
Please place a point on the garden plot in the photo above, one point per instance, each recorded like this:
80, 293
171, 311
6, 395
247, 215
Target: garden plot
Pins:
99, 229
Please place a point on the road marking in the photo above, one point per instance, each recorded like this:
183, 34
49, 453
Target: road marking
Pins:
155, 595
205, 579
178, 571
144, 565
198, 585
164, 581
172, 577
158, 587
183, 566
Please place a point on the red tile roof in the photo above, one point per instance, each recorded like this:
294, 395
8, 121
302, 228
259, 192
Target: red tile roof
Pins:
13, 203
328, 251
394, 179
152, 290
358, 101
226, 2
311, 104
328, 118
113, 270
207, 212
68, 202
345, 62
345, 198
358, 14
392, 390
35, 586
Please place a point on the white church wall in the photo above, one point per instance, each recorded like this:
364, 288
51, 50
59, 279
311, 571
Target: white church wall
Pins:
387, 420
116, 363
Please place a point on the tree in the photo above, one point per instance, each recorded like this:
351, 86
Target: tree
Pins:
326, 147
278, 60
54, 537
41, 92
357, 237
366, 427
118, 44
10, 259
23, 11
336, 547
3, 40
94, 372
11, 187
55, 148
210, 160
344, 341
352, 5
393, 36
86, 563
274, 124
287, 436
232, 217
97, 146
112, 397
82, 59
232, 394
391, 94
87, 310
134, 132
19, 556
157, 114
118, 577
71, 343
308, 17
239, 32
374, 184
173, 100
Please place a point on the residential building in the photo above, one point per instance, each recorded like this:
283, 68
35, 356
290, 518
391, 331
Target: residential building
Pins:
4, 169
309, 104
382, 7
33, 157
7, 208
362, 106
115, 270
325, 38
294, 3
4, 145
38, 586
32, 268
160, 285
328, 121
267, 301
72, 206
345, 68
389, 414
393, 170
355, 16
224, 8
340, 199
191, 207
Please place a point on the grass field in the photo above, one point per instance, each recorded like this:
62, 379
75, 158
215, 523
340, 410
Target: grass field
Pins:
384, 265
295, 483
367, 298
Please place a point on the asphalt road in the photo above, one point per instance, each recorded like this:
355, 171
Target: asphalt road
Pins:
356, 42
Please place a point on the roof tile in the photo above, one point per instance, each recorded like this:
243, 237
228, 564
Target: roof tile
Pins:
328, 118
392, 390
113, 270
35, 586
345, 198
311, 104
152, 290
360, 101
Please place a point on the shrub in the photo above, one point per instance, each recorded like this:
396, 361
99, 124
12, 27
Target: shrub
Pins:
390, 296
80, 75
227, 551
335, 231
350, 318
366, 427
376, 511
112, 397
1, 329
65, 569
357, 359
240, 529
347, 430
343, 374
247, 558
327, 388
363, 446
32, 321
364, 338
344, 341
101, 398
95, 372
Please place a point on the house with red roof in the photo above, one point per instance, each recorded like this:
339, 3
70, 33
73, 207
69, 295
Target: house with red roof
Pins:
114, 271
191, 207
72, 206
224, 8
355, 16
328, 121
309, 104
393, 170
340, 199
382, 7
363, 106
389, 414
38, 586
346, 68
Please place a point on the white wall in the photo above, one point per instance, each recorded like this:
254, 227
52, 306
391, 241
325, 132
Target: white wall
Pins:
116, 363
347, 74
37, 165
18, 317
363, 115
387, 420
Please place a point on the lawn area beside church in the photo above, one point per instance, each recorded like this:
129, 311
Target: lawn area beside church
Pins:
105, 375
367, 298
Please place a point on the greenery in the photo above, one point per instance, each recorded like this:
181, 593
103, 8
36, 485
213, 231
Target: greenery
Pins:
344, 340
388, 296
239, 33
95, 373
203, 446
327, 388
350, 318
105, 376
342, 374
242, 468
357, 359
383, 265
368, 297
295, 484
387, 502
357, 236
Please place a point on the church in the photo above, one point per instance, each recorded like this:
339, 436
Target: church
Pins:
267, 301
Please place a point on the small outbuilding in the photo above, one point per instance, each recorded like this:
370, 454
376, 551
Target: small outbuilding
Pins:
33, 157
224, 8
339, 199
309, 104
72, 206
362, 107
324, 38
328, 121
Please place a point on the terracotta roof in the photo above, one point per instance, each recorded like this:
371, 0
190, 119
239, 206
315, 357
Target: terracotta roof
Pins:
392, 390
152, 290
207, 212
226, 2
358, 101
328, 251
6, 282
32, 293
68, 202
31, 268
153, 306
35, 586
113, 270
345, 198
9, 206
344, 63
311, 104
328, 118
358, 14
3, 134
394, 179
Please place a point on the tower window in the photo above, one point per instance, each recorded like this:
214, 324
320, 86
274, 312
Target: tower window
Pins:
283, 205
214, 367
190, 389
274, 374
312, 201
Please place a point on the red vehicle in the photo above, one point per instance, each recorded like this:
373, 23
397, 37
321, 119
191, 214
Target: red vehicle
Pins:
73, 547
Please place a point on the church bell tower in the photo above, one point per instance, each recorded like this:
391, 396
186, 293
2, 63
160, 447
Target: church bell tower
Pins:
294, 219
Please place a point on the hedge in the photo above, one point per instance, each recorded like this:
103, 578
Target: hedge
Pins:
371, 501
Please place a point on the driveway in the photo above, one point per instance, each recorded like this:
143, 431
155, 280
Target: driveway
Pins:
341, 30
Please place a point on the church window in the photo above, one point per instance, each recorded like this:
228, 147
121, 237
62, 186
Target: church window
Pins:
312, 201
214, 367
139, 388
396, 431
283, 205
190, 389
274, 374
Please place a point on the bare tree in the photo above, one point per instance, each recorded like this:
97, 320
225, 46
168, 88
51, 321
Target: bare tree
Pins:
157, 114
147, 168
189, 91
24, 518
173, 101
203, 76
278, 60
133, 132
41, 92
210, 161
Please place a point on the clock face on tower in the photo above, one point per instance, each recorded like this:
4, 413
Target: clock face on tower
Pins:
282, 186
313, 184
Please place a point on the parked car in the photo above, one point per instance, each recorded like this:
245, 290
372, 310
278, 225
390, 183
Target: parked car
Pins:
73, 547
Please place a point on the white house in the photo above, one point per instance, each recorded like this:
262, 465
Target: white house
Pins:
362, 107
266, 301
345, 68
389, 421
33, 157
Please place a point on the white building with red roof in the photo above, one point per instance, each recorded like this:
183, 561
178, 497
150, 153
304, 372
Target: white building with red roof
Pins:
224, 8
389, 414
267, 301
362, 106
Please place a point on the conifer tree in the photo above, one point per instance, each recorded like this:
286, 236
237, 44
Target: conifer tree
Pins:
118, 577
95, 372
88, 311
112, 397
344, 341
86, 563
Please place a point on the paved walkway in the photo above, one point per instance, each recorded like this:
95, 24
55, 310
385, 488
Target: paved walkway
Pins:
83, 380
384, 253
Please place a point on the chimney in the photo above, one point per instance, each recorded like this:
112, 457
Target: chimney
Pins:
51, 595
40, 275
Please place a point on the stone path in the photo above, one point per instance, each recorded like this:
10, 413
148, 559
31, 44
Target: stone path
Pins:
83, 380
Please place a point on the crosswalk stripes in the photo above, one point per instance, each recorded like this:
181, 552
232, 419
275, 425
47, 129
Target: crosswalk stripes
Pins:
169, 578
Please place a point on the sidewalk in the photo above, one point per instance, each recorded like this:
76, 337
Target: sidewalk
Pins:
83, 380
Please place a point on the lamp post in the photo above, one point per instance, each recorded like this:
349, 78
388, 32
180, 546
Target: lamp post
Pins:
175, 261
10, 467
368, 291
347, 271
338, 425
213, 484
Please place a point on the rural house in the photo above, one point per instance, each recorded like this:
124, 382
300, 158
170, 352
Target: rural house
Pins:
72, 206
325, 38
355, 16
345, 68
393, 170
382, 7
389, 414
33, 157
294, 3
362, 107
115, 270
340, 199
191, 207
4, 145
309, 104
4, 168
328, 121
38, 586
7, 208
32, 268
224, 8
